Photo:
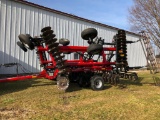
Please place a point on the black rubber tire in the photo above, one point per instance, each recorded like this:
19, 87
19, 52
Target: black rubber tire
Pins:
21, 46
94, 49
64, 41
97, 83
89, 33
25, 39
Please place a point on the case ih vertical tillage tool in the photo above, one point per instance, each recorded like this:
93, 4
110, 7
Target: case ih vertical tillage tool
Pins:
86, 71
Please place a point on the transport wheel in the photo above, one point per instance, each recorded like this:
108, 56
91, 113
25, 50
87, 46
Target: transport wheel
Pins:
89, 33
21, 46
94, 49
64, 41
25, 39
97, 83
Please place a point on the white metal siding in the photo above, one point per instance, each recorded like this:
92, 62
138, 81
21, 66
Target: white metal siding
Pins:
17, 18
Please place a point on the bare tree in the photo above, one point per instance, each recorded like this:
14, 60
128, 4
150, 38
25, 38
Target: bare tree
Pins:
145, 15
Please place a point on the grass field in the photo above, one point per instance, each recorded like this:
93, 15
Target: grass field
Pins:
40, 99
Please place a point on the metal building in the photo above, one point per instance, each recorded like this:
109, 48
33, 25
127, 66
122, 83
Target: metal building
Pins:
20, 17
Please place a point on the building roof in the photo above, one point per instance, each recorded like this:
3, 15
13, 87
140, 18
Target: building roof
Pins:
69, 15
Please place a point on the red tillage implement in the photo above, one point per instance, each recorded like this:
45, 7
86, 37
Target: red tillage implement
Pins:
86, 70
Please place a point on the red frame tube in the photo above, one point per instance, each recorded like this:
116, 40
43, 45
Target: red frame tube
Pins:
74, 48
18, 78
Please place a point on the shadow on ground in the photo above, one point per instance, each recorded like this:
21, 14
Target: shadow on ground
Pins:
10, 87
124, 83
75, 87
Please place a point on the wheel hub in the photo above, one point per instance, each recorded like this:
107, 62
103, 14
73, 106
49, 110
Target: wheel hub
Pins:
62, 83
98, 83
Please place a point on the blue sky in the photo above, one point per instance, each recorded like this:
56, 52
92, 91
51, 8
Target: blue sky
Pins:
110, 12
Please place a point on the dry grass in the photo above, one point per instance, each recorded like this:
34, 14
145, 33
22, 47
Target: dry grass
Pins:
39, 99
